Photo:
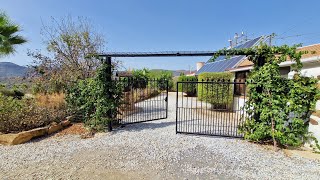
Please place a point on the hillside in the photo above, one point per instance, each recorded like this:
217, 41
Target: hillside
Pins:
9, 69
174, 72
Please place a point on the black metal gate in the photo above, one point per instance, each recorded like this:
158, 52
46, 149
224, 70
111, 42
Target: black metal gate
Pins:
143, 100
210, 107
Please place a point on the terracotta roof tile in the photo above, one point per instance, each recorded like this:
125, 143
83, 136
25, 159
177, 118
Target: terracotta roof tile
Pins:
313, 50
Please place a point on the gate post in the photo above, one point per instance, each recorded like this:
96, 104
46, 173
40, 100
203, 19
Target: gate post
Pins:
167, 98
109, 80
177, 103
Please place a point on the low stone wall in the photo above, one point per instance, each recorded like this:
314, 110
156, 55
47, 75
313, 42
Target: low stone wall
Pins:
25, 136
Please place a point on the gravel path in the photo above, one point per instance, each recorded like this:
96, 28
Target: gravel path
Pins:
150, 150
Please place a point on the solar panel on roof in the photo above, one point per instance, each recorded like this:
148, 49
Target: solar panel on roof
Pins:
222, 64
248, 44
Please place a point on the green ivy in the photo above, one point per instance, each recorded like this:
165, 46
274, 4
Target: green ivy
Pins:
278, 109
90, 99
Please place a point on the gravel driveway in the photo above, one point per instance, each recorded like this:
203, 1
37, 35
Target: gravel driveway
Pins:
150, 150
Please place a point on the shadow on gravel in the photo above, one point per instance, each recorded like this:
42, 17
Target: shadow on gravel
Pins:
143, 126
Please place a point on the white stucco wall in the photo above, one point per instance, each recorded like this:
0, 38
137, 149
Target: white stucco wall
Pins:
313, 70
238, 103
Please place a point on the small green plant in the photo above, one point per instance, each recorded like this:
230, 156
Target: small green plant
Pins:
189, 88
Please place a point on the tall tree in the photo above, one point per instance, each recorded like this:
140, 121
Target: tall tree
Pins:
69, 41
8, 35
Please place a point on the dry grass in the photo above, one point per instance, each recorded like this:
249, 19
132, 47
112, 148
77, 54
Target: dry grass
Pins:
40, 110
51, 101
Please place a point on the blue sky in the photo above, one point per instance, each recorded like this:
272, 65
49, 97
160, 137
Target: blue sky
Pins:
164, 25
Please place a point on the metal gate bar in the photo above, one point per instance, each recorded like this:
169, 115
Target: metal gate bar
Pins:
215, 109
143, 100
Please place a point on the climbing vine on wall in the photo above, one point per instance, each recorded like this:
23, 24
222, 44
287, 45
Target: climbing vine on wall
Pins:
278, 109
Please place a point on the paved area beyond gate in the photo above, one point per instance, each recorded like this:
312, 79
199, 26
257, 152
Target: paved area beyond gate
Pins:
144, 100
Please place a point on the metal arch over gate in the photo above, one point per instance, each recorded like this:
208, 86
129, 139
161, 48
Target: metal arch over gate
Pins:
215, 130
142, 110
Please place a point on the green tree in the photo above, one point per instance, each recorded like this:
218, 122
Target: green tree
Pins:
8, 35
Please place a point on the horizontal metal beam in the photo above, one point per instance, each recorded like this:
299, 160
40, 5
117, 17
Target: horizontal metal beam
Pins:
158, 54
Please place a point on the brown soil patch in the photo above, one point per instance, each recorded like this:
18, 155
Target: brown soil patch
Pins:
74, 129
317, 113
302, 153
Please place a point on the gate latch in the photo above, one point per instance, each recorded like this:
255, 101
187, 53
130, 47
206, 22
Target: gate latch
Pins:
166, 99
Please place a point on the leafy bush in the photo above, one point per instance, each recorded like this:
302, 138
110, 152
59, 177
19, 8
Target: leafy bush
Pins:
190, 88
50, 86
174, 81
220, 95
278, 109
16, 91
90, 99
143, 75
162, 76
28, 113
13, 93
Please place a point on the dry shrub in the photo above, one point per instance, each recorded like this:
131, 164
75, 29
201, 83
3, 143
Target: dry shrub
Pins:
51, 101
28, 113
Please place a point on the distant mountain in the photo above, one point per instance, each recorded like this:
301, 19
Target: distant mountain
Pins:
9, 69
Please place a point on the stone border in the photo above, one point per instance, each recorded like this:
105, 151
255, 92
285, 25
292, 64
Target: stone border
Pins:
25, 136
